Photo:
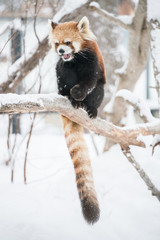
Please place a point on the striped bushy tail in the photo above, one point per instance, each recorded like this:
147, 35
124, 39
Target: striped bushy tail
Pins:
82, 166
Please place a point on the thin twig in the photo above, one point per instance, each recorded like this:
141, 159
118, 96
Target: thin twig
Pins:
154, 146
8, 140
12, 35
141, 172
31, 128
35, 20
25, 28
27, 146
94, 144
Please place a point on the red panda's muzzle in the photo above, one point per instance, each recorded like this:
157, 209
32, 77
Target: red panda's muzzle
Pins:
66, 56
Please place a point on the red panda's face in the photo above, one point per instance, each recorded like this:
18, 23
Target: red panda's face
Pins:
68, 38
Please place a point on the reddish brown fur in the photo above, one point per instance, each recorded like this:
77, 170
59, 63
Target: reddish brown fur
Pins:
70, 30
93, 46
74, 132
83, 171
66, 30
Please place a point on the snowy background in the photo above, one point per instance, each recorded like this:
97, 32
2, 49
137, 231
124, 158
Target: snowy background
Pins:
48, 206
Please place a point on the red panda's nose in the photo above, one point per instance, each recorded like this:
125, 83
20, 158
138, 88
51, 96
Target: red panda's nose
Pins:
61, 51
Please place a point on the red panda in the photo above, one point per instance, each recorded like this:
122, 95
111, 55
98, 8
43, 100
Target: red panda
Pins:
81, 77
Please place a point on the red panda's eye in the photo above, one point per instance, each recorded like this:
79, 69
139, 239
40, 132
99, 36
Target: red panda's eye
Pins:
57, 44
68, 42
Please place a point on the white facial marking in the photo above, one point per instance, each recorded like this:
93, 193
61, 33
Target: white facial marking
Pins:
76, 46
67, 40
65, 52
56, 41
67, 49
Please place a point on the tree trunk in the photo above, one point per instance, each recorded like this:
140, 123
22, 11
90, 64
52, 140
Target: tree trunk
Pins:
139, 37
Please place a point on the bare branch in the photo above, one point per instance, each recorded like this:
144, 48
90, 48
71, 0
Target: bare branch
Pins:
13, 103
4, 28
11, 36
120, 21
143, 175
23, 66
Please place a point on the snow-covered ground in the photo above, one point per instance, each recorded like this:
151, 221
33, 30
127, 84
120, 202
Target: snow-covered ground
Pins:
48, 206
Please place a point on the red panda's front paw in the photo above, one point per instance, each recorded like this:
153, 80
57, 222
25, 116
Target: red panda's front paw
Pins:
92, 112
74, 103
78, 93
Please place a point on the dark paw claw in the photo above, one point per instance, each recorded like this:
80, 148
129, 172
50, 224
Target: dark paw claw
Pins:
92, 112
74, 103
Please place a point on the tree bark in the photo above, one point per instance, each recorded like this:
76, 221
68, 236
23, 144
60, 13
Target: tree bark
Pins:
138, 55
139, 38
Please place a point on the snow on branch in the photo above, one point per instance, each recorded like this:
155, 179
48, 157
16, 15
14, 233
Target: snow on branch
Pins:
137, 103
122, 21
146, 115
125, 136
24, 65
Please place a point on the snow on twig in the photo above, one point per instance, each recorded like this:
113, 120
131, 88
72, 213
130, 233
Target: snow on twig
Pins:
122, 21
137, 103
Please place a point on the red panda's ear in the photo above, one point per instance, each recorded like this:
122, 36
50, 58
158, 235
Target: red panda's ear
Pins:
52, 24
83, 25
84, 29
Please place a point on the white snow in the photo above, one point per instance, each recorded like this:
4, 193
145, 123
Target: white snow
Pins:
13, 98
153, 7
155, 46
129, 96
48, 206
125, 18
69, 6
4, 28
16, 24
123, 68
2, 7
94, 4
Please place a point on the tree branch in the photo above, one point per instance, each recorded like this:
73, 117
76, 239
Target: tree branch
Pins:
23, 66
141, 172
137, 103
120, 21
125, 136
